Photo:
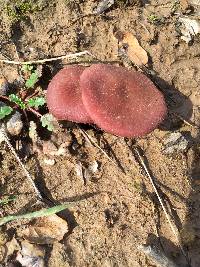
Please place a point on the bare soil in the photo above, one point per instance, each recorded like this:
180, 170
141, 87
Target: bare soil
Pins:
115, 208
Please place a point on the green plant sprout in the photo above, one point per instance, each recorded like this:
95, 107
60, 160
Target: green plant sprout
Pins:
28, 105
26, 102
33, 75
154, 19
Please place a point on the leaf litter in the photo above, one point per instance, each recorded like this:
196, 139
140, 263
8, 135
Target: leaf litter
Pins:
45, 230
31, 255
103, 6
189, 28
133, 49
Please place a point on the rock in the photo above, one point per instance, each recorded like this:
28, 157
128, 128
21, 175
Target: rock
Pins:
4, 86
14, 125
175, 142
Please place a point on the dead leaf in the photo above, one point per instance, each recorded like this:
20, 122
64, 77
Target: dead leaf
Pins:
45, 230
189, 28
31, 255
133, 49
12, 246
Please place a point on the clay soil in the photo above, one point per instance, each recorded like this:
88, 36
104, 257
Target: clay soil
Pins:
115, 207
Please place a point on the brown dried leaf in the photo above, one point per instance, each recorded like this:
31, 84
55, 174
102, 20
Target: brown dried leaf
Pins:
11, 247
46, 230
133, 50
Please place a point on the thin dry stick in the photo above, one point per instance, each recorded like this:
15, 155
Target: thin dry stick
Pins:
191, 124
40, 61
176, 234
91, 141
4, 137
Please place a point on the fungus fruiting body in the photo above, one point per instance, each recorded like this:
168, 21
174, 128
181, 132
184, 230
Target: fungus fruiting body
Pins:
64, 98
120, 101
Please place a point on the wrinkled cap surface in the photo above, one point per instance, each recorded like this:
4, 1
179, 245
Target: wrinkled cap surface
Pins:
122, 102
64, 98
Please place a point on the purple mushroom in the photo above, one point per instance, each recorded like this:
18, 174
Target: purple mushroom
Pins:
64, 98
122, 102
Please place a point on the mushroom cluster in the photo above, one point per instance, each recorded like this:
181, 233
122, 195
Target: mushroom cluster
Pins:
120, 101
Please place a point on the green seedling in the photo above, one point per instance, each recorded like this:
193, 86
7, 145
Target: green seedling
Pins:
36, 102
33, 79
33, 75
31, 105
17, 100
24, 101
32, 102
154, 19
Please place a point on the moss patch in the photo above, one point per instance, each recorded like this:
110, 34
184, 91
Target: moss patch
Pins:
19, 9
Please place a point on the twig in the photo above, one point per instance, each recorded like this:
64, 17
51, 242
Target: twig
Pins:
91, 141
40, 61
4, 97
35, 112
176, 234
191, 124
4, 137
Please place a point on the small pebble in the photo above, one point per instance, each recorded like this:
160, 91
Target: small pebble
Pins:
33, 131
4, 86
93, 167
175, 142
103, 6
14, 125
49, 162
49, 148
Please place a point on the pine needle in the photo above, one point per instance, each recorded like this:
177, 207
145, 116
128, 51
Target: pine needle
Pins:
4, 137
92, 142
175, 232
189, 123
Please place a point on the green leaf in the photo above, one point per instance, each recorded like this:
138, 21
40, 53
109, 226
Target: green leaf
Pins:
47, 121
30, 83
5, 111
36, 102
17, 100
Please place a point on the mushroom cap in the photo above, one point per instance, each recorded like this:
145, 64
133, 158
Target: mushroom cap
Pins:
122, 102
64, 98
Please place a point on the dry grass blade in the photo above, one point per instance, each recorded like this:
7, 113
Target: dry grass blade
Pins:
174, 230
92, 142
4, 137
191, 124
41, 61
